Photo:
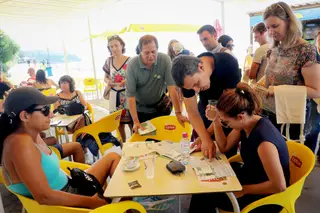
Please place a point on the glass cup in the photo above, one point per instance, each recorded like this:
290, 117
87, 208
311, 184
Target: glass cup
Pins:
212, 102
149, 166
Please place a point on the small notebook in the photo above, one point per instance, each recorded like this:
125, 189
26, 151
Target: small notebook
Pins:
147, 128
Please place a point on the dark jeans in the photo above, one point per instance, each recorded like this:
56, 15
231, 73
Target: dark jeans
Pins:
208, 202
148, 116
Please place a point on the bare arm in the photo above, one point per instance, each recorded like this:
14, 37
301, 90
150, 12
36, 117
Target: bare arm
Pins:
133, 109
311, 75
197, 123
269, 156
175, 98
32, 175
225, 143
253, 70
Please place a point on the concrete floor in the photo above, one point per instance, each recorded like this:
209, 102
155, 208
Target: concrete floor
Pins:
308, 202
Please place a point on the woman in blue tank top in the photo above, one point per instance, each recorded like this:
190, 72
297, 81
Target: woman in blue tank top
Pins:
265, 168
30, 168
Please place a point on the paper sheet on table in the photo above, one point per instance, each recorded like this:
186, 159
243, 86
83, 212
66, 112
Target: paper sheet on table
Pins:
214, 170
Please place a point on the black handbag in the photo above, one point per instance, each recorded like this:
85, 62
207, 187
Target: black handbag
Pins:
86, 184
70, 109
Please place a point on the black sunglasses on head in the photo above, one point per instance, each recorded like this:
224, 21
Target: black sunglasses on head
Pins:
45, 110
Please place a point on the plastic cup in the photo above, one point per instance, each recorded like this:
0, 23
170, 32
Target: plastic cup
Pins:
212, 102
149, 165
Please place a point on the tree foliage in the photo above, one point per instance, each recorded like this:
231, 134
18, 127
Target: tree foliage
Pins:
8, 50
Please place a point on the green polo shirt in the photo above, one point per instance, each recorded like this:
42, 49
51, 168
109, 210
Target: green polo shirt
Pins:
147, 86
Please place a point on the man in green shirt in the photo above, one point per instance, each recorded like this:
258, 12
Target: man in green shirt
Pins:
148, 76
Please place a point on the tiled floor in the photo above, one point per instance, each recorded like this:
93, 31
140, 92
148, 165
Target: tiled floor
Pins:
309, 201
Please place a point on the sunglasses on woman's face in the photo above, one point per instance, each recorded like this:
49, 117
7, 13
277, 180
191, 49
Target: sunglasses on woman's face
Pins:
44, 110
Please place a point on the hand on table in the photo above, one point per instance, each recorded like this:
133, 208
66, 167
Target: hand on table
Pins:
197, 143
208, 149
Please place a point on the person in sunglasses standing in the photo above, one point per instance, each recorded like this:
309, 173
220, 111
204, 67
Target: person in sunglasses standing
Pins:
27, 161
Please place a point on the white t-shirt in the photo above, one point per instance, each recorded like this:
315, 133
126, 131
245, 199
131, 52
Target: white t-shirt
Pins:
219, 48
259, 57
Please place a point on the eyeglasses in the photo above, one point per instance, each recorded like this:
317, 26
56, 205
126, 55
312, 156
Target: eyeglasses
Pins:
230, 46
44, 110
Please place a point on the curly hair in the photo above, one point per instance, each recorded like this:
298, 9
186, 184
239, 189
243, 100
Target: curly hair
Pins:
68, 79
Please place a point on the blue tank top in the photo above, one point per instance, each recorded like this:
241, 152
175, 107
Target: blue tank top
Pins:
50, 164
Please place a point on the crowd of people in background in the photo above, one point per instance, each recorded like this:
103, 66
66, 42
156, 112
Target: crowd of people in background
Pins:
152, 84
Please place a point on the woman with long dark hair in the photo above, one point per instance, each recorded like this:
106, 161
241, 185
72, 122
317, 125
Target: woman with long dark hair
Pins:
42, 82
27, 162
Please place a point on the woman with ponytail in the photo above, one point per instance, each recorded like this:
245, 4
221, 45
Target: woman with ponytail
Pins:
265, 168
27, 162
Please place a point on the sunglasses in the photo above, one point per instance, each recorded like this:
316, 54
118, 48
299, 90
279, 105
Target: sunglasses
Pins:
44, 110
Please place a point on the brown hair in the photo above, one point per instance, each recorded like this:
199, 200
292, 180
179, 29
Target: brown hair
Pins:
259, 28
147, 39
171, 53
116, 37
241, 99
283, 11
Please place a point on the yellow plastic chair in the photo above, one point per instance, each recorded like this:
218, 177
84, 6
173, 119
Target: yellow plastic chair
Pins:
302, 161
120, 207
33, 206
168, 128
89, 86
55, 150
108, 123
49, 92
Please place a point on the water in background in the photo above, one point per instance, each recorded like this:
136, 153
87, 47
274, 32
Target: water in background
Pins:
77, 70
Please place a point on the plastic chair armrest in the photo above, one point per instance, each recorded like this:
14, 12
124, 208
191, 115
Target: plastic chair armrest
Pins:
235, 158
120, 207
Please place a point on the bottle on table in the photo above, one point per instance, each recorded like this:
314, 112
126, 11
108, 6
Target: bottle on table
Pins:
185, 148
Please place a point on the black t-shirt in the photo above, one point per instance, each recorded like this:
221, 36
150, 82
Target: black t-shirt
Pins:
3, 88
225, 75
252, 170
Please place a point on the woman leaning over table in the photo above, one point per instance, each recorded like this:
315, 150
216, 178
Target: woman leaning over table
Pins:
115, 68
26, 114
291, 61
265, 168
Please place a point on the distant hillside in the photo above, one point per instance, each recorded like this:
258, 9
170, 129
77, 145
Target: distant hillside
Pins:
39, 56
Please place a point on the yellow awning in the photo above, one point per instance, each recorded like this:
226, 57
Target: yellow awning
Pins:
151, 28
